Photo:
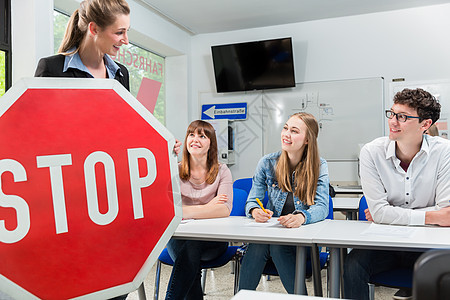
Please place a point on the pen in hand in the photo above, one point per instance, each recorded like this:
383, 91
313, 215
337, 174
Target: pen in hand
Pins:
260, 204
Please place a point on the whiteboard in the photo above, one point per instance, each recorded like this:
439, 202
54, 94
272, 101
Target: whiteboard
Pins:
439, 89
349, 112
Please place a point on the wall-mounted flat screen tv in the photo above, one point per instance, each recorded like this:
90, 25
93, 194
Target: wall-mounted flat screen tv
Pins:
257, 65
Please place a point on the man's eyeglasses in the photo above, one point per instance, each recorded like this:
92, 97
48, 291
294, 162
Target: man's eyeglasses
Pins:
400, 117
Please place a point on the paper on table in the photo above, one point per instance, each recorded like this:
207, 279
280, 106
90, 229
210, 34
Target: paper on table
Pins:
273, 222
389, 230
183, 221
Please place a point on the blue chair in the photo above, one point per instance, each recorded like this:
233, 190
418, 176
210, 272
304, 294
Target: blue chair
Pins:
233, 253
394, 278
270, 268
239, 200
243, 184
246, 185
362, 207
330, 210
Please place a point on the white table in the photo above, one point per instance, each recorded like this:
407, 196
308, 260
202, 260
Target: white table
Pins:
243, 229
348, 189
338, 234
349, 205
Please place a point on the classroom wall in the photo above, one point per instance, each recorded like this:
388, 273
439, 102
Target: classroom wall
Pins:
32, 30
411, 43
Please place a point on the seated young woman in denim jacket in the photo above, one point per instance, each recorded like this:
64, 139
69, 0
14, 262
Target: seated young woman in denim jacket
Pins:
206, 192
296, 179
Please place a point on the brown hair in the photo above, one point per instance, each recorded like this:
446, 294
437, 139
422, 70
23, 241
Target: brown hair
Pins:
307, 170
423, 102
101, 12
212, 162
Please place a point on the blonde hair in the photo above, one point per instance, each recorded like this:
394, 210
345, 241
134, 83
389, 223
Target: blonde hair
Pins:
212, 162
101, 12
433, 130
307, 170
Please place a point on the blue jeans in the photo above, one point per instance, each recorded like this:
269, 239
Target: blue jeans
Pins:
284, 258
185, 280
360, 265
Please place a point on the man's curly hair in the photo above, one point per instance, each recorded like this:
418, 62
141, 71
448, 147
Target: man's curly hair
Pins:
424, 103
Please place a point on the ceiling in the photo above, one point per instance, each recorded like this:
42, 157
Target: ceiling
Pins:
209, 16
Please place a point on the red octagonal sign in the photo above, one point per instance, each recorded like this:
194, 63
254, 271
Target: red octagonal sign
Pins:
89, 191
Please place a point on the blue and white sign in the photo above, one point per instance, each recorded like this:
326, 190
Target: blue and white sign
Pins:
230, 111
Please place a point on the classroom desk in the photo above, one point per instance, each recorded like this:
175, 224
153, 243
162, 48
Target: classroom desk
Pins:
351, 189
349, 205
338, 234
243, 229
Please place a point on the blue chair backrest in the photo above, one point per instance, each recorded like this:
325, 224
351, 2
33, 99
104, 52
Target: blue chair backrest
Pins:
243, 184
330, 209
362, 207
266, 199
246, 185
239, 200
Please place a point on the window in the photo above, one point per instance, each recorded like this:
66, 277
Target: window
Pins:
60, 21
146, 77
5, 46
2, 72
146, 70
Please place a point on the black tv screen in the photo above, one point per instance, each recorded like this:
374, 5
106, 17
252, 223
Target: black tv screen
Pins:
255, 65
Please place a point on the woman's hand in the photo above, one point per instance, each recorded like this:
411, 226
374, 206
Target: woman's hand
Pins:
260, 216
216, 208
368, 215
292, 221
219, 199
177, 147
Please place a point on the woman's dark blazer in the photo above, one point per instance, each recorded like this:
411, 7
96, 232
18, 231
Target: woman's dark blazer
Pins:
52, 66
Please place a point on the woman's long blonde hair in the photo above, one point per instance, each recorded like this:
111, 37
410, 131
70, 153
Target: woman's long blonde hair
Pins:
212, 162
307, 170
101, 12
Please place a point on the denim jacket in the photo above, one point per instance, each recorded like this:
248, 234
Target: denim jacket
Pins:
265, 180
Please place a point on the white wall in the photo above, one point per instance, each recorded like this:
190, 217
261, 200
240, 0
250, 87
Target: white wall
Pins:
411, 43
32, 35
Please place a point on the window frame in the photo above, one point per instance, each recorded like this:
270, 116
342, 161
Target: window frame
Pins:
5, 40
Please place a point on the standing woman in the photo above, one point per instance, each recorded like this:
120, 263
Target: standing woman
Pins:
296, 180
95, 30
206, 192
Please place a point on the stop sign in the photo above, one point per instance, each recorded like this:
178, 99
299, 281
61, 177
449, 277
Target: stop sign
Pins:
89, 191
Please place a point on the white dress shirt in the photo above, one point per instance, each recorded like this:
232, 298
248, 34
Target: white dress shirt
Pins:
398, 197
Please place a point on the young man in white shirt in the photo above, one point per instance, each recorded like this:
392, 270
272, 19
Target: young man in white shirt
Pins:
406, 181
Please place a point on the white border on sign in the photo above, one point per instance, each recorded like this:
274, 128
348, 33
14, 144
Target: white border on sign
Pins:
8, 99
